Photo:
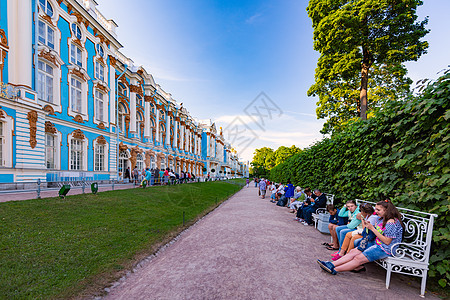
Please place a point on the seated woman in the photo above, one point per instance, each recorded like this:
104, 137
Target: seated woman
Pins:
297, 200
388, 230
367, 214
338, 232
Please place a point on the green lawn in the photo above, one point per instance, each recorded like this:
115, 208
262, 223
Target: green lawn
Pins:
53, 248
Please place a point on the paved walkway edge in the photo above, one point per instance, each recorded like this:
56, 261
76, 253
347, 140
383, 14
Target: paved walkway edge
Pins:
144, 262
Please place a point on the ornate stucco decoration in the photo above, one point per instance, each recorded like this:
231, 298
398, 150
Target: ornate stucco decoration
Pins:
149, 99
101, 87
122, 147
48, 56
3, 39
1, 114
101, 140
142, 127
123, 80
49, 109
78, 42
101, 126
136, 89
77, 72
78, 134
48, 19
112, 60
32, 119
78, 119
134, 152
50, 127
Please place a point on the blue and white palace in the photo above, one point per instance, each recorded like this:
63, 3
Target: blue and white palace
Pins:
72, 106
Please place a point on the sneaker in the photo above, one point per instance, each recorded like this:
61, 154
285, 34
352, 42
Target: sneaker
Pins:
336, 257
327, 266
304, 223
295, 219
335, 253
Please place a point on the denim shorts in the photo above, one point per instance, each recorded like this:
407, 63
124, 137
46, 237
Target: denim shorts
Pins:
374, 253
272, 196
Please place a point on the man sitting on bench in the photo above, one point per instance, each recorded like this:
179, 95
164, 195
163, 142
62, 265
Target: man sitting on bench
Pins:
319, 202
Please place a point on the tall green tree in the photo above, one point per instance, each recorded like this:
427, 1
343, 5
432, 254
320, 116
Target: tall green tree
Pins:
258, 164
363, 44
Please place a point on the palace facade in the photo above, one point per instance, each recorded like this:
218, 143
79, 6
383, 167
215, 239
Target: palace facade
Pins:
73, 106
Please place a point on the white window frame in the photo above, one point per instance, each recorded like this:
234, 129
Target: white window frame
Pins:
76, 104
101, 52
45, 37
99, 71
105, 161
100, 108
45, 5
76, 31
45, 92
76, 163
76, 55
51, 149
6, 141
140, 161
84, 155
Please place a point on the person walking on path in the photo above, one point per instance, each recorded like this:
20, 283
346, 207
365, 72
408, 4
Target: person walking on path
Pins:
262, 188
247, 181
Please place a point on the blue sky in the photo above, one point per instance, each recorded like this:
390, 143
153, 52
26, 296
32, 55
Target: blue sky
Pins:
217, 56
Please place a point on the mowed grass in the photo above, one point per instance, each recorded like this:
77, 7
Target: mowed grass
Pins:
54, 248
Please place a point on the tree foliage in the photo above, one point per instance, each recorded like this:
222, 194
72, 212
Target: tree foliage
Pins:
266, 158
363, 44
402, 152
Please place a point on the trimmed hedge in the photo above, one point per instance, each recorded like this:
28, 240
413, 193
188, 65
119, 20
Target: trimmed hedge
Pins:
402, 153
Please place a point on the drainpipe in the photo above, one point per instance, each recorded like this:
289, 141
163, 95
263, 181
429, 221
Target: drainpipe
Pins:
117, 119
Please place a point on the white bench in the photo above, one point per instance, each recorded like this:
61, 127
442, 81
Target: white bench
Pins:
412, 255
315, 216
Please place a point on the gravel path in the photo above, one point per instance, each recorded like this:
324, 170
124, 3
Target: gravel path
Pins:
249, 248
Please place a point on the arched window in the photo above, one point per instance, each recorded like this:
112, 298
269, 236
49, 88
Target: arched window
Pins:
123, 158
138, 123
76, 31
140, 161
100, 50
46, 7
122, 90
152, 162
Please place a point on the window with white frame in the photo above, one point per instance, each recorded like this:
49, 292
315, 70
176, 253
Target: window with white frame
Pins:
100, 158
122, 90
138, 123
2, 141
46, 34
152, 162
75, 95
76, 154
100, 51
50, 151
123, 157
99, 102
121, 120
46, 7
140, 161
99, 71
76, 55
45, 81
76, 31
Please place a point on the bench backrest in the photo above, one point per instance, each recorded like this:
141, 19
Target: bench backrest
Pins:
417, 234
330, 198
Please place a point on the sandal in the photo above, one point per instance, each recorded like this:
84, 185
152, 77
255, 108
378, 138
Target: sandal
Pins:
363, 269
331, 248
327, 245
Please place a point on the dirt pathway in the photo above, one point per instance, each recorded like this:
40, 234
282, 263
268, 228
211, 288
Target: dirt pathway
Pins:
251, 249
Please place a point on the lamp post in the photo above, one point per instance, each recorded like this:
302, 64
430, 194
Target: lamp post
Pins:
117, 119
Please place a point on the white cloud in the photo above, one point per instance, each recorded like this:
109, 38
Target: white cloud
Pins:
253, 18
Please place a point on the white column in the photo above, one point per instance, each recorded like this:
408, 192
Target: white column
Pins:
175, 133
182, 137
188, 140
157, 125
208, 151
132, 114
147, 120
168, 129
112, 93
20, 55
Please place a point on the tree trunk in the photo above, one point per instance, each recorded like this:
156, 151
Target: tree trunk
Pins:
367, 62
